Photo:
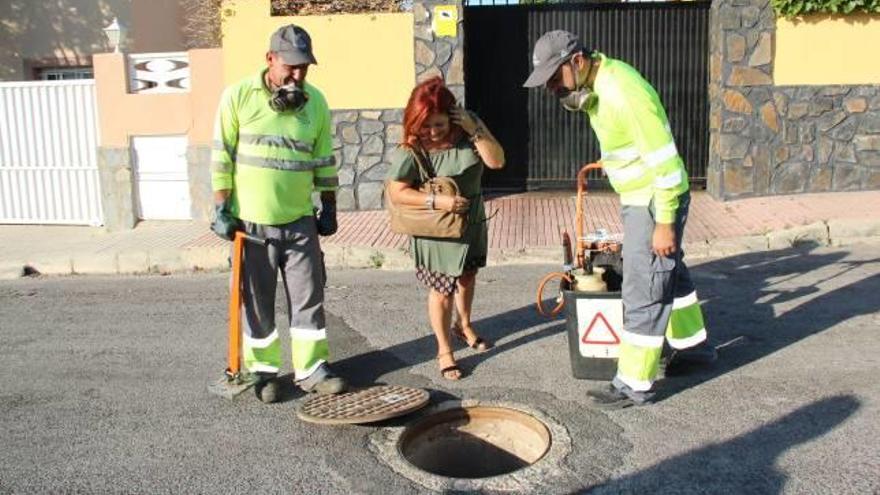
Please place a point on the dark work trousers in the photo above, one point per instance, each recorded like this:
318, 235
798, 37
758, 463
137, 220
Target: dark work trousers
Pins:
294, 251
654, 286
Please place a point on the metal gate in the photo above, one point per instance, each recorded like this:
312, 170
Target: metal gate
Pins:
48, 153
545, 145
161, 177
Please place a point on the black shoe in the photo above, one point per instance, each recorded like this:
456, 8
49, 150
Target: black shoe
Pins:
323, 382
268, 388
683, 361
611, 397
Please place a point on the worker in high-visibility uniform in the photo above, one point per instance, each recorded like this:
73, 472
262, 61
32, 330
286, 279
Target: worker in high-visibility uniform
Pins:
644, 167
272, 149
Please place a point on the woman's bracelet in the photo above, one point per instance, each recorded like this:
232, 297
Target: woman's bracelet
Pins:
478, 134
429, 201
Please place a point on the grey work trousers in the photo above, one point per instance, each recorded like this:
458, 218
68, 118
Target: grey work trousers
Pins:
651, 282
295, 250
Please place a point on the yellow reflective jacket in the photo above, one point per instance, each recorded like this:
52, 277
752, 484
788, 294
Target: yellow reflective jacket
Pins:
271, 161
638, 151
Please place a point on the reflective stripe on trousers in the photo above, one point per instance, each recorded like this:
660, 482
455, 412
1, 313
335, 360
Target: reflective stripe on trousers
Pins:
310, 350
262, 355
659, 300
296, 253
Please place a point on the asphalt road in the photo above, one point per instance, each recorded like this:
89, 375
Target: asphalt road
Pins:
104, 385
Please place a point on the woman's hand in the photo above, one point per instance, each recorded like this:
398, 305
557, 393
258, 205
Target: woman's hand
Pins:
462, 118
455, 204
485, 144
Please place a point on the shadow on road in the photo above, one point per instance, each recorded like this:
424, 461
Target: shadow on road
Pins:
742, 298
744, 464
366, 368
747, 303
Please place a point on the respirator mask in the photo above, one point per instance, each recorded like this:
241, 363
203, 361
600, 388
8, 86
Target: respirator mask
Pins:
578, 100
288, 98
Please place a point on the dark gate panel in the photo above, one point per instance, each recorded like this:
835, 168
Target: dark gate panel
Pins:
666, 42
496, 61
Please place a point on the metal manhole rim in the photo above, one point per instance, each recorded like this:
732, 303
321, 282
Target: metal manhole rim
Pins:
417, 399
384, 444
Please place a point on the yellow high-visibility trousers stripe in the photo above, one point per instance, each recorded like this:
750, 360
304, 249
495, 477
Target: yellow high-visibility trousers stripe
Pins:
637, 365
686, 327
262, 355
309, 350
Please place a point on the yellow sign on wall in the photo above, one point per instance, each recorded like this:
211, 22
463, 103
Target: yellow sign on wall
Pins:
364, 61
445, 21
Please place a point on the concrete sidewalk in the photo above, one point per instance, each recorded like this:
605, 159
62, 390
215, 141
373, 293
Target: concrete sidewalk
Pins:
526, 228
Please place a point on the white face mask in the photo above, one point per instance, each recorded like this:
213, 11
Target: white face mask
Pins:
577, 100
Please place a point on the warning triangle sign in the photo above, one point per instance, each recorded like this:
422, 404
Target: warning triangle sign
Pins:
603, 334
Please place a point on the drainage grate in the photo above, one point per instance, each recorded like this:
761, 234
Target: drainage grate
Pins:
363, 406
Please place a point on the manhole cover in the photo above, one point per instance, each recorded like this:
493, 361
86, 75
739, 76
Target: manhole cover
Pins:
363, 406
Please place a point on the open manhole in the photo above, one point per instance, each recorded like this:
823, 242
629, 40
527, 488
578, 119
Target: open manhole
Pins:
475, 442
476, 446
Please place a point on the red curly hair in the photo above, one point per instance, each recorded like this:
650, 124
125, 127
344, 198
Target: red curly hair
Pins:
429, 97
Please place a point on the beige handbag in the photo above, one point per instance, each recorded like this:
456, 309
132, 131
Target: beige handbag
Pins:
421, 221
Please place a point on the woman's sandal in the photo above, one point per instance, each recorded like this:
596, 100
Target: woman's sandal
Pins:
479, 344
444, 371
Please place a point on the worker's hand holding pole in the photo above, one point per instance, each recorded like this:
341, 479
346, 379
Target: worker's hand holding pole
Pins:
223, 223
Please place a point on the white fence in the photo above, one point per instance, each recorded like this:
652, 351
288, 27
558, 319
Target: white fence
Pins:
48, 153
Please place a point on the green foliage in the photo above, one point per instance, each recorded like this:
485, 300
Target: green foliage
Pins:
795, 8
327, 7
377, 259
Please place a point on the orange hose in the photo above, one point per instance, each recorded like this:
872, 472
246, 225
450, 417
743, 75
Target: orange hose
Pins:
579, 211
540, 303
579, 242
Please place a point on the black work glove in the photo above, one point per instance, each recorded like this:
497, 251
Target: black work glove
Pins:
327, 218
224, 224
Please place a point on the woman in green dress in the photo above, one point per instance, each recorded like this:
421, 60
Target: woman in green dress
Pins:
457, 144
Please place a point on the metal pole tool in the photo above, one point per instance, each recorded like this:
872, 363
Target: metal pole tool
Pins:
235, 381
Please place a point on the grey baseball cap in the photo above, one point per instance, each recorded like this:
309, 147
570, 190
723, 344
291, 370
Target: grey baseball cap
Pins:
551, 50
293, 44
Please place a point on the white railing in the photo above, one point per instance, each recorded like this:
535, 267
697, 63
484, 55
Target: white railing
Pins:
48, 153
158, 72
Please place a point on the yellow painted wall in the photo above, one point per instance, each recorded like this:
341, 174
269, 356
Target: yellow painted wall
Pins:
827, 50
364, 61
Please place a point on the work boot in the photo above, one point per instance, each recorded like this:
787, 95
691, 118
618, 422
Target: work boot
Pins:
682, 361
323, 382
617, 395
267, 388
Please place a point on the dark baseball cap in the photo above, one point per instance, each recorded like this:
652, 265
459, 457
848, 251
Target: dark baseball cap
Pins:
551, 50
293, 44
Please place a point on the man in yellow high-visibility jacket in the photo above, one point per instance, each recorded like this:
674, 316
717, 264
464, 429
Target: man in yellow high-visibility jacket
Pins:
272, 149
644, 167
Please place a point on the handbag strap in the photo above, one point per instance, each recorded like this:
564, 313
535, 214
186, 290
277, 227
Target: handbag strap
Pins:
425, 172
